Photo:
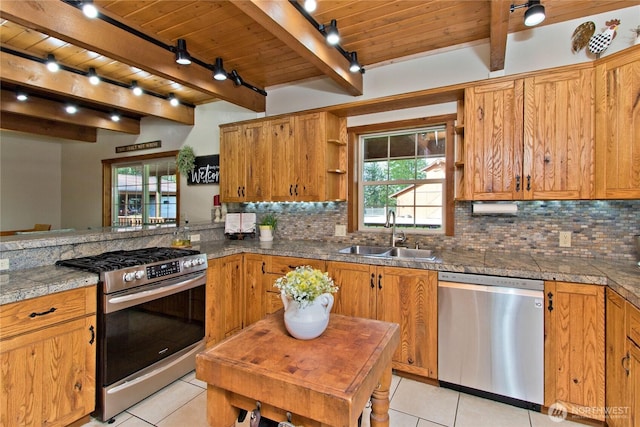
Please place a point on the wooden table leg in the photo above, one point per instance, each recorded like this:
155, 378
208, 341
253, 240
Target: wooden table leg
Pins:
380, 401
220, 412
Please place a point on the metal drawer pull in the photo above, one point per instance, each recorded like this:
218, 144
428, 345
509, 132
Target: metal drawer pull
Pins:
34, 314
93, 334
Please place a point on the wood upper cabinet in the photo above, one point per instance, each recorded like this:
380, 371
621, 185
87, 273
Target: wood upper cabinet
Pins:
245, 163
558, 136
400, 295
296, 158
575, 347
493, 140
47, 360
617, 160
530, 138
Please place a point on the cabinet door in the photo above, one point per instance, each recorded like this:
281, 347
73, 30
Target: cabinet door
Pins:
574, 346
255, 291
231, 279
310, 140
633, 403
231, 164
616, 352
283, 160
357, 287
617, 159
558, 136
48, 376
409, 297
256, 150
493, 141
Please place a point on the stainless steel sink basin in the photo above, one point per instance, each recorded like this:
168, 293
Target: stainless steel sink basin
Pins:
389, 252
365, 250
411, 253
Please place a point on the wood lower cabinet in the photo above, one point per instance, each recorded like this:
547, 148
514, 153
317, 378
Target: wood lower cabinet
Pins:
575, 348
617, 142
400, 295
617, 388
225, 298
47, 359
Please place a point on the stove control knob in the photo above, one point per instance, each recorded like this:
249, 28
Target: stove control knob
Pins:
199, 261
139, 274
129, 276
188, 263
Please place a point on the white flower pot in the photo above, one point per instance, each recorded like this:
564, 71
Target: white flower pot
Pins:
309, 322
266, 233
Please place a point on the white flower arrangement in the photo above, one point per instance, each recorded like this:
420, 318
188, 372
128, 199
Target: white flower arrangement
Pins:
305, 284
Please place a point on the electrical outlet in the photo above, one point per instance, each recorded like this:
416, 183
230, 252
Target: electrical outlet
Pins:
4, 264
195, 237
341, 230
565, 239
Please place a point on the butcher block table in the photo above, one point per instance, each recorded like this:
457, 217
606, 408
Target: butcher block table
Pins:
324, 382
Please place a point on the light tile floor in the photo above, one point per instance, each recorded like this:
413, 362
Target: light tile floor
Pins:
413, 404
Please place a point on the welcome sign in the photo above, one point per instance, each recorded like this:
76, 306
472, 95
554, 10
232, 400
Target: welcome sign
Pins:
206, 170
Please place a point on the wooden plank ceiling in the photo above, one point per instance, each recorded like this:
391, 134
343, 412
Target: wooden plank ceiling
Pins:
267, 42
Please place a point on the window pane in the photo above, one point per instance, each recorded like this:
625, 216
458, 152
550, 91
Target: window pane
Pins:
375, 202
375, 171
402, 169
402, 146
376, 148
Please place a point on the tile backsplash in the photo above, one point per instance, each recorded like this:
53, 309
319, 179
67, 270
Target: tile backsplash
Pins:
599, 229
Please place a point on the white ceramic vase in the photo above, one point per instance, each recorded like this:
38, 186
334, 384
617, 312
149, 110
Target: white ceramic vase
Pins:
309, 322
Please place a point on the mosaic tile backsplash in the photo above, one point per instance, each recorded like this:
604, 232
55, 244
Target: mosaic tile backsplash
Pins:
599, 229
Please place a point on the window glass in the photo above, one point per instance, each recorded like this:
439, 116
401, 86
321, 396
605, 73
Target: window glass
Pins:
404, 172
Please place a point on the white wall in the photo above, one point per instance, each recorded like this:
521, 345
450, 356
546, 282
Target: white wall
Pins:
30, 181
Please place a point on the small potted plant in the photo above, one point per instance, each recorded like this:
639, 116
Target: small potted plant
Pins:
267, 227
186, 160
306, 293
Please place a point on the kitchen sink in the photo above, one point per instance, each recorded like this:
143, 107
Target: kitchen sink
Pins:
365, 250
389, 252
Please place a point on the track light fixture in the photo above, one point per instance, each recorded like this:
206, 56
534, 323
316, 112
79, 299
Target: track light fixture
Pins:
218, 70
173, 100
182, 56
354, 65
52, 64
93, 76
115, 117
137, 90
331, 32
21, 96
534, 13
89, 9
71, 109
235, 77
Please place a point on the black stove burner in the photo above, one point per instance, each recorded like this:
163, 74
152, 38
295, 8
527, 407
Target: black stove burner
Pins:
116, 260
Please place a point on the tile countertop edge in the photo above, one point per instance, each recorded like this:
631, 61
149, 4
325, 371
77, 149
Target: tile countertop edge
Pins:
623, 278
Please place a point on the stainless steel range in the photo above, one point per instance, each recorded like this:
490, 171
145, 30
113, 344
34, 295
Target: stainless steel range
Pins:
151, 321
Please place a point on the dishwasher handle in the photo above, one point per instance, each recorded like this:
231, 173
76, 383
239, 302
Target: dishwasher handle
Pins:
492, 289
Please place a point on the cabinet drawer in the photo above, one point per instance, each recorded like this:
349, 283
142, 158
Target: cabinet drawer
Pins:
25, 316
633, 323
273, 302
282, 265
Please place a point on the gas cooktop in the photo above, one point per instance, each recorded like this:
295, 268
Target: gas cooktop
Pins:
116, 260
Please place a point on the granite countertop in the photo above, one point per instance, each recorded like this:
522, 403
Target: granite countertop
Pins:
624, 278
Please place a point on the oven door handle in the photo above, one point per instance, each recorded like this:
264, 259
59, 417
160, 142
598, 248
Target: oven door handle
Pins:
141, 297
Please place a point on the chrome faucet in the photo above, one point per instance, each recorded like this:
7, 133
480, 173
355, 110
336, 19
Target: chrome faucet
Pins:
394, 238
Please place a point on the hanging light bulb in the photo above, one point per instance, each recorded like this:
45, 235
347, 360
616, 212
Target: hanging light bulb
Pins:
52, 64
93, 76
310, 5
89, 9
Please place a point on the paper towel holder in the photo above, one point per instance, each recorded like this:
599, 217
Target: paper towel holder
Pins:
501, 209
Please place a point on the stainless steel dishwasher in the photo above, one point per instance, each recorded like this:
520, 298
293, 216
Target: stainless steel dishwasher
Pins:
491, 337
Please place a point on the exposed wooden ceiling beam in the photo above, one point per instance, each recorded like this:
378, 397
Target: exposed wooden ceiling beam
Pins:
28, 73
53, 110
282, 20
49, 128
67, 23
498, 33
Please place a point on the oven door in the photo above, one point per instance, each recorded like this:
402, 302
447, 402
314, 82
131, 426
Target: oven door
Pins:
144, 325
